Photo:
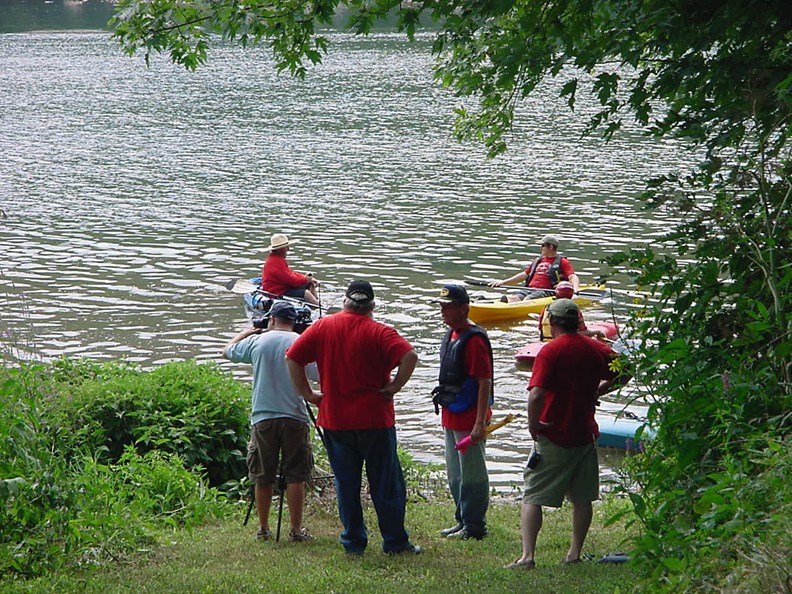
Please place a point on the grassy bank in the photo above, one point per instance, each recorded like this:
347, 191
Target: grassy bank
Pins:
222, 556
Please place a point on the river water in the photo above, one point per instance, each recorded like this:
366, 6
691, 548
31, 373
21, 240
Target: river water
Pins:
131, 195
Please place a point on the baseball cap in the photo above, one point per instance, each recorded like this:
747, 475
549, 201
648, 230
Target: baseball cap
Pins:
549, 239
360, 291
453, 294
564, 308
284, 311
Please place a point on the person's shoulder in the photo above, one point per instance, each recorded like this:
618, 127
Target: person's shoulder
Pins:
555, 346
478, 333
604, 348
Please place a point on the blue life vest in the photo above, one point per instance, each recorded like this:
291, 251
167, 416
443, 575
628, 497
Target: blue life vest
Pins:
457, 390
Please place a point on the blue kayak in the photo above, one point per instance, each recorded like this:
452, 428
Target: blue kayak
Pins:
258, 304
619, 432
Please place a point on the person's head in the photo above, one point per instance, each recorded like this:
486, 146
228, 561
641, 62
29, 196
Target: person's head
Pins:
359, 297
279, 243
282, 314
454, 305
549, 245
564, 314
564, 290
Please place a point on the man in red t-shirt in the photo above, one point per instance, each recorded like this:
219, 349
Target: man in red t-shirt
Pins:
355, 355
542, 275
568, 376
465, 391
277, 278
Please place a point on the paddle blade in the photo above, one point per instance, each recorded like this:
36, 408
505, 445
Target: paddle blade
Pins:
241, 286
593, 294
477, 282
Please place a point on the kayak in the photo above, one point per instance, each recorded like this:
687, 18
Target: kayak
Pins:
258, 304
494, 310
528, 353
619, 432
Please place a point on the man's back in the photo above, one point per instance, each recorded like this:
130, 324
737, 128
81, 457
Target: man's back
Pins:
274, 394
570, 368
355, 356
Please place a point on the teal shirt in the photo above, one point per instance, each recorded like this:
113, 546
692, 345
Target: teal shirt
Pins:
274, 394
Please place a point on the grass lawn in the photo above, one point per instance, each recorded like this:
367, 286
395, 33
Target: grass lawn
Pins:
223, 557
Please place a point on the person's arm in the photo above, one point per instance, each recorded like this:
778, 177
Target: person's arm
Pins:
536, 399
300, 380
406, 366
312, 279
250, 330
617, 381
575, 280
517, 278
482, 406
618, 372
598, 334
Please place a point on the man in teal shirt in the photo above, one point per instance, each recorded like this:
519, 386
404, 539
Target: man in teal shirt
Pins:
279, 418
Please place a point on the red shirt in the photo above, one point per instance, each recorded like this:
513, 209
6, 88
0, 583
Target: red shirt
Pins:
570, 369
277, 277
354, 355
540, 279
478, 364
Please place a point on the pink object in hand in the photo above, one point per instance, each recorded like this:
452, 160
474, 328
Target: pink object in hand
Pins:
463, 444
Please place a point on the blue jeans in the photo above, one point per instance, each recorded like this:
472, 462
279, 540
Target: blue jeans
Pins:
468, 482
348, 451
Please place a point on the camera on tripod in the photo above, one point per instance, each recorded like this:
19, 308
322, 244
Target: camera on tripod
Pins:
300, 324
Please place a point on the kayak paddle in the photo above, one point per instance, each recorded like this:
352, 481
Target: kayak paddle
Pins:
594, 294
463, 444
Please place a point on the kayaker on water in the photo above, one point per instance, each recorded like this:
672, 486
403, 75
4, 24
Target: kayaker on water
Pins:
565, 290
542, 275
279, 279
464, 392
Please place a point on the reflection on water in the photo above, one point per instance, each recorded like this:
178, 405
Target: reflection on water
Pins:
133, 195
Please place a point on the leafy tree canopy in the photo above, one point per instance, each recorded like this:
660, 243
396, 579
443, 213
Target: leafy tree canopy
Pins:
715, 73
720, 69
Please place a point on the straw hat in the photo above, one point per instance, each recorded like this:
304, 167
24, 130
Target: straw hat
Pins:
279, 240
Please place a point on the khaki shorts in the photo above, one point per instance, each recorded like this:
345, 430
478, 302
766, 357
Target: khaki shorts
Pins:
266, 442
570, 472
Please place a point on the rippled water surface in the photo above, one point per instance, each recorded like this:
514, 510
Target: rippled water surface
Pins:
131, 195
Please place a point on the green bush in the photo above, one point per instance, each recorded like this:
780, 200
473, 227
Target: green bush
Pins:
60, 507
195, 411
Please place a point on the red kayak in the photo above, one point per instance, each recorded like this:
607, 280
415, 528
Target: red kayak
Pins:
528, 353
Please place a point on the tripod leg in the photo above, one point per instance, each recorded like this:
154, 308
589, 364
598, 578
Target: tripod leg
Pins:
282, 489
251, 504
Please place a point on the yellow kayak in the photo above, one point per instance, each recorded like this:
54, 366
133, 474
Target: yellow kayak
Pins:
488, 310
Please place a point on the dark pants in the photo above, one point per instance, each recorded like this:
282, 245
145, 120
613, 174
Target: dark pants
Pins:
298, 292
348, 451
535, 293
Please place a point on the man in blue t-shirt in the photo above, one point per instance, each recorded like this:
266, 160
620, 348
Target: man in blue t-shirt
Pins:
279, 418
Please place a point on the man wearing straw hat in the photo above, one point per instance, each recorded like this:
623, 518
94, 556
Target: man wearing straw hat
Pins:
278, 278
